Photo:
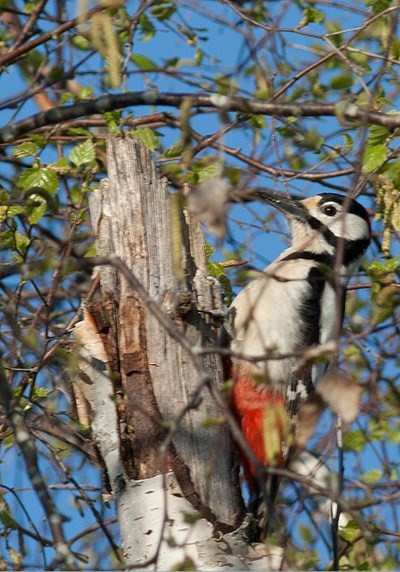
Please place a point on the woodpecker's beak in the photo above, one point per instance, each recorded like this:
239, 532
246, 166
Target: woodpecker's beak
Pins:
289, 207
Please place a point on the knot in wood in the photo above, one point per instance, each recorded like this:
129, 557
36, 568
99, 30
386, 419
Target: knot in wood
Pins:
178, 304
183, 303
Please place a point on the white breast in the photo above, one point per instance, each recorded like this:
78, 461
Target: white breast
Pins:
263, 317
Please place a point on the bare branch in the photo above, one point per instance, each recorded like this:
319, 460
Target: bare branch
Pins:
351, 111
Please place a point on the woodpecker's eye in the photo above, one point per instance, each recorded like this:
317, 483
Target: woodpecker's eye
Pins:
329, 210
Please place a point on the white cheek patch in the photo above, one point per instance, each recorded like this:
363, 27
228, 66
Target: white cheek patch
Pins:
350, 226
346, 225
355, 227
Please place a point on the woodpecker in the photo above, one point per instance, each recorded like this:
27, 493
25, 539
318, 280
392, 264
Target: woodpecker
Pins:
290, 306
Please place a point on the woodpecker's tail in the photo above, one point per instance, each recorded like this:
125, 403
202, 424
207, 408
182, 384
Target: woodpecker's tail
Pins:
262, 508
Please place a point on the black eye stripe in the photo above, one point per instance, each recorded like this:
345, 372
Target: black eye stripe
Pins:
352, 206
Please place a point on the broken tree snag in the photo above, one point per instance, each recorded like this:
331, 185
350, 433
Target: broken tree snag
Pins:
119, 227
135, 217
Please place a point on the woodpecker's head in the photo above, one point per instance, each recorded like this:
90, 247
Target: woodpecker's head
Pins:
318, 223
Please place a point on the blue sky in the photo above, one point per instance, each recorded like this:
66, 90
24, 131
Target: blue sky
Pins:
223, 52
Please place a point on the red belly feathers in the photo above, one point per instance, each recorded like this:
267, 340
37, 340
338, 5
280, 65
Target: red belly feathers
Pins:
252, 404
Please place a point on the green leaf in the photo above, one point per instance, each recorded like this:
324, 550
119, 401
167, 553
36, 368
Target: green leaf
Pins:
378, 429
364, 566
80, 131
16, 242
361, 60
163, 10
8, 521
61, 163
375, 270
391, 265
27, 149
216, 270
65, 97
203, 170
21, 242
38, 209
286, 131
6, 211
379, 6
91, 252
392, 170
306, 534
311, 15
354, 441
40, 393
146, 28
40, 140
386, 299
341, 81
258, 121
372, 477
379, 270
75, 193
83, 153
85, 93
394, 437
209, 250
147, 136
39, 177
374, 157
174, 171
395, 48
81, 42
389, 563
226, 85
143, 62
175, 150
172, 62
29, 7
349, 532
377, 135
198, 58
348, 141
312, 140
113, 119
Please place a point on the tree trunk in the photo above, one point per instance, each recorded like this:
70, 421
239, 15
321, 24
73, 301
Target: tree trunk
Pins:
162, 437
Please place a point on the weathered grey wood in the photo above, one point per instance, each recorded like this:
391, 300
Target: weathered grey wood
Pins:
133, 374
132, 217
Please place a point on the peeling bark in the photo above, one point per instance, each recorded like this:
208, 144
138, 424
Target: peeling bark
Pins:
153, 421
162, 437
136, 222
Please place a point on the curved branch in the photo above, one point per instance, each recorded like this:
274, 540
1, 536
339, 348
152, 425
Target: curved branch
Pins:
20, 50
216, 101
